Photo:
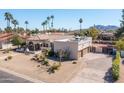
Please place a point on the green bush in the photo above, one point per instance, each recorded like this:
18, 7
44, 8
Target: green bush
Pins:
9, 57
54, 67
51, 53
45, 62
116, 67
74, 62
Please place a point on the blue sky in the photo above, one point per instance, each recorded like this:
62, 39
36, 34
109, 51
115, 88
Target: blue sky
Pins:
64, 18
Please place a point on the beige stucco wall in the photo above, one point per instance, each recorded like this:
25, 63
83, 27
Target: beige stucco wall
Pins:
6, 46
71, 46
84, 45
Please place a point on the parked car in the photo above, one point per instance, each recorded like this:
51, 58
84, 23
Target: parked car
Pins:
20, 50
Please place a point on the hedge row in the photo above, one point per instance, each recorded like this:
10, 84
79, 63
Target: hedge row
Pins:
116, 67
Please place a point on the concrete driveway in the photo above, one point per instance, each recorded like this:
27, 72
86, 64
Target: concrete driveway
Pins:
97, 69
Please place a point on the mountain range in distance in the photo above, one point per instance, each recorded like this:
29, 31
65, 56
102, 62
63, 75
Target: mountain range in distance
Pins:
107, 27
102, 28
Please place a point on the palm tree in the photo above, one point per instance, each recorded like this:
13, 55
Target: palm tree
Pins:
8, 16
52, 17
80, 21
48, 21
26, 23
15, 23
43, 24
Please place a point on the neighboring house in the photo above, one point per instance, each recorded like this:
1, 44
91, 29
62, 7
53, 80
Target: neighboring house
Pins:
104, 44
103, 48
77, 46
107, 36
5, 40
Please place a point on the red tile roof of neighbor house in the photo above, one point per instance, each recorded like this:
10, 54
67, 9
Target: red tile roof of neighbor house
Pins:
5, 36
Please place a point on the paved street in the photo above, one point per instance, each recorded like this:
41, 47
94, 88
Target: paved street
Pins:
96, 71
9, 78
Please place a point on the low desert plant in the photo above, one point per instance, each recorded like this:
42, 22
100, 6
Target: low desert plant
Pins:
74, 62
51, 53
45, 62
9, 57
54, 67
6, 59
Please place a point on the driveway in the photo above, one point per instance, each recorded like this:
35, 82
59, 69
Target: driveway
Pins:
97, 69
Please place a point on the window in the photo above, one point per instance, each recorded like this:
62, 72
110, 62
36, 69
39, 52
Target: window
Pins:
43, 44
46, 45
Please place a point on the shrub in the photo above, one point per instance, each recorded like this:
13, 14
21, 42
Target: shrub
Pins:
54, 67
6, 59
46, 63
74, 62
6, 51
9, 57
116, 67
51, 53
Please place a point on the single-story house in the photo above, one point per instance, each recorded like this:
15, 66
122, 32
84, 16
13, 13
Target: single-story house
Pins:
102, 48
5, 40
107, 36
44, 41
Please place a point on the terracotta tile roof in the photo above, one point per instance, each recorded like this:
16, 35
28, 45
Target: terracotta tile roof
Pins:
51, 37
5, 36
23, 36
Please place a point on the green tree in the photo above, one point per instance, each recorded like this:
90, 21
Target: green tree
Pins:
8, 16
20, 29
93, 32
120, 45
48, 21
35, 31
26, 24
52, 17
80, 21
8, 29
17, 40
120, 32
122, 21
15, 23
43, 24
